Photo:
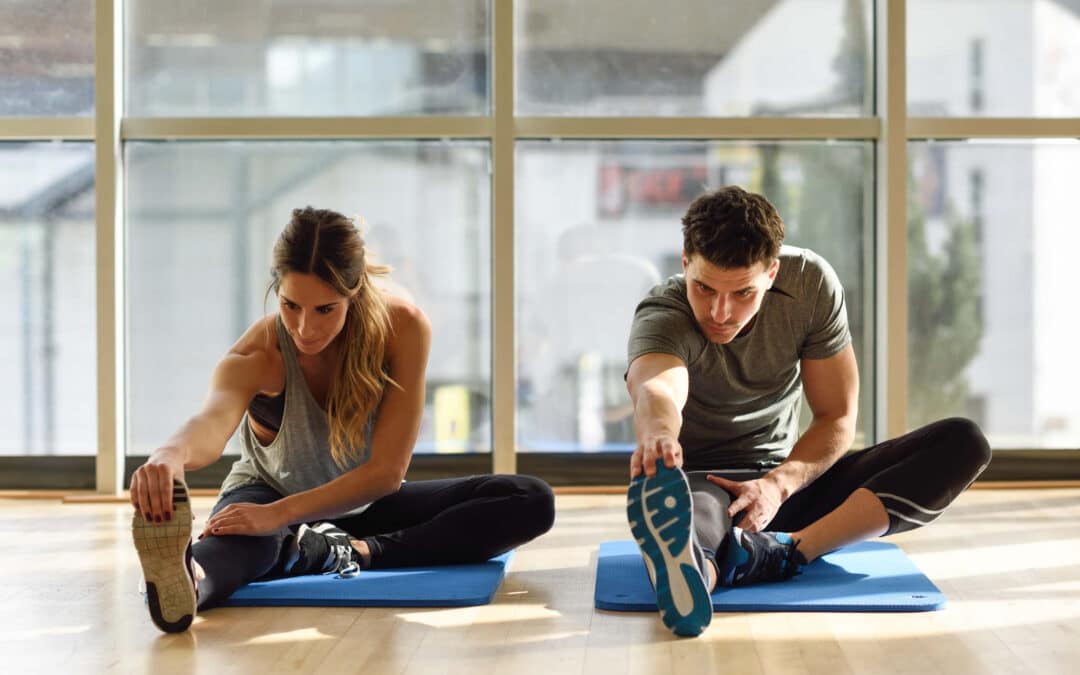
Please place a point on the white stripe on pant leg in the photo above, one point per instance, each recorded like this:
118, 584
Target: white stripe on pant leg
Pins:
909, 503
907, 518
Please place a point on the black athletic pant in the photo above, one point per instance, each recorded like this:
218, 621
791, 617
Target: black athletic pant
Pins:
915, 476
431, 522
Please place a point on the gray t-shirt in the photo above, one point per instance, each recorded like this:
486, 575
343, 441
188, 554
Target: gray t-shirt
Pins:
744, 400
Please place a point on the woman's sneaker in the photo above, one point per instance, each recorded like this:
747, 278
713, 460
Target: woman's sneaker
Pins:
165, 554
757, 557
321, 548
662, 521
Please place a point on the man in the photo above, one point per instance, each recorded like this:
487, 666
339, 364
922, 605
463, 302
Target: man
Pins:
720, 358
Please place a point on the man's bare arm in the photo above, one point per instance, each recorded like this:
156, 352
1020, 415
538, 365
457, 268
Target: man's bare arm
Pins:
832, 390
658, 385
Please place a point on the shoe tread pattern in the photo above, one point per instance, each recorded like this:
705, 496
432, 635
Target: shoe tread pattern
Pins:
660, 514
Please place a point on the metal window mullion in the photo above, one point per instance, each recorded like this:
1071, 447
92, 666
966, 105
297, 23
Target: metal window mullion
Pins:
946, 128
151, 128
891, 357
503, 373
46, 129
302, 128
795, 128
754, 128
108, 83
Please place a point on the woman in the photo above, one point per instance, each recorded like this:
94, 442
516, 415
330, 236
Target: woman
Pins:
330, 392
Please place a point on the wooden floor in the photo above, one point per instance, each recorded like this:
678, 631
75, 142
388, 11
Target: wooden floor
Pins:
1009, 562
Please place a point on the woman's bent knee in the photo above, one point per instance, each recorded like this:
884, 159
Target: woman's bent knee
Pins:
532, 501
967, 443
541, 503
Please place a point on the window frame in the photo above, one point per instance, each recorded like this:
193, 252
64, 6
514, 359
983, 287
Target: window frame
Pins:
889, 128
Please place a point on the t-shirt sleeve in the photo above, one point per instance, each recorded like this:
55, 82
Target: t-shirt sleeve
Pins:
827, 326
661, 327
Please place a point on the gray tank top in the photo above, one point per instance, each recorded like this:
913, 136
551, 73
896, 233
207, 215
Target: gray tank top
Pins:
299, 457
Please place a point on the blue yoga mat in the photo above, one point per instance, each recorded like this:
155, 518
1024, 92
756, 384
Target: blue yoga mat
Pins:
442, 586
867, 577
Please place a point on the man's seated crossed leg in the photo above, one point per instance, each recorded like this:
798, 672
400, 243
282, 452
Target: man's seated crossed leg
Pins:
720, 358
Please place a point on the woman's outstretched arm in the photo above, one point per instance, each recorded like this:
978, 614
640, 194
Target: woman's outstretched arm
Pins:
202, 439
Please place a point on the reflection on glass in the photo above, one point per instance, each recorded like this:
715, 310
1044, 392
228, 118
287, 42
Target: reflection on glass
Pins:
306, 58
585, 259
48, 404
698, 58
992, 326
202, 219
47, 58
999, 58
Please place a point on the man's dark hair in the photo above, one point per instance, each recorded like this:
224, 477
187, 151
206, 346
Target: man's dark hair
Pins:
732, 228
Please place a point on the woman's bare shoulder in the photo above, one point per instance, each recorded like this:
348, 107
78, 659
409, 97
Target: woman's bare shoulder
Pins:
257, 352
407, 320
410, 338
260, 338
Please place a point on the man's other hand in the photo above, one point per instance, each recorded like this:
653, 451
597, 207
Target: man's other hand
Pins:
758, 500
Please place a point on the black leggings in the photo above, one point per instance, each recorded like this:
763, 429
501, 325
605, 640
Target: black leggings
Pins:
915, 476
432, 522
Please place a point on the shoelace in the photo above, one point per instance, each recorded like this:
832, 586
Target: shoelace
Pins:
343, 565
779, 561
347, 572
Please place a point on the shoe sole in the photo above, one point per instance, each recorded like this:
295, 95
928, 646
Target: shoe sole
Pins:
165, 553
662, 521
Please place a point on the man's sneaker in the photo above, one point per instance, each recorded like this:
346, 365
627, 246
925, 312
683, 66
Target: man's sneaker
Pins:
321, 548
662, 520
165, 554
755, 557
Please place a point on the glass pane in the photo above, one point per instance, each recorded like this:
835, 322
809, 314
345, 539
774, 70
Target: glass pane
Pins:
47, 58
995, 58
307, 58
203, 217
48, 404
585, 259
993, 233
697, 58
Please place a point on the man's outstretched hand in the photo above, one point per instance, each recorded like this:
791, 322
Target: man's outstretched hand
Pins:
758, 500
664, 448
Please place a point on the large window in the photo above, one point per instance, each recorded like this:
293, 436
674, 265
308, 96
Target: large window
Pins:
994, 58
46, 58
585, 261
47, 290
306, 58
48, 343
695, 58
992, 228
202, 220
523, 165
989, 222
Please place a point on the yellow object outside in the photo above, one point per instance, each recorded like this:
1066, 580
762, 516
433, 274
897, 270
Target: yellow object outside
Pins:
451, 419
